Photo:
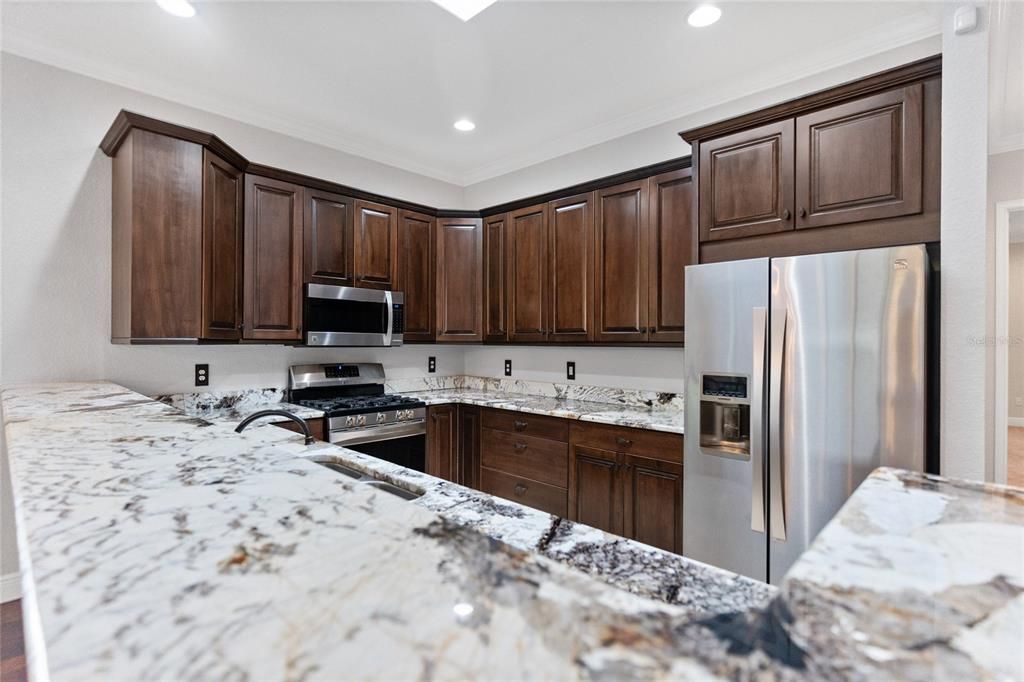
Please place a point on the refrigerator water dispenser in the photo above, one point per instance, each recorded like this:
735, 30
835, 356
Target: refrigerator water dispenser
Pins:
725, 416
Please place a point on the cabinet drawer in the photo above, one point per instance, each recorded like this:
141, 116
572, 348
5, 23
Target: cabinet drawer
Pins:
654, 444
547, 498
541, 459
553, 428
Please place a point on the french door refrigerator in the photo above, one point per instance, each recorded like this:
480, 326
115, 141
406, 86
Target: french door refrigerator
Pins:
803, 374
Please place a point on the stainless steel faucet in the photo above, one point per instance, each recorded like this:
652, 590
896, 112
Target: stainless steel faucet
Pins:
277, 413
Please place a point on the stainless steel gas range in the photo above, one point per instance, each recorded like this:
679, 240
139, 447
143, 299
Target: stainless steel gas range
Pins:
359, 415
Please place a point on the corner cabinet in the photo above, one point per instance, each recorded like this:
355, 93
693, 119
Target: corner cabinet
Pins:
273, 260
856, 166
459, 289
176, 242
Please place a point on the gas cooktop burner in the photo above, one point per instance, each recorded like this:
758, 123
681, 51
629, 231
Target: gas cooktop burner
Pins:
359, 404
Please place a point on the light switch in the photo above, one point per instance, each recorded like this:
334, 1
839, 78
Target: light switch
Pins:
965, 19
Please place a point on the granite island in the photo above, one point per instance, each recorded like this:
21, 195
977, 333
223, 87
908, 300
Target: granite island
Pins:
155, 544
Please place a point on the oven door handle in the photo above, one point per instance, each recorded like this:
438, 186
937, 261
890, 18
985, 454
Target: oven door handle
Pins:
391, 318
378, 433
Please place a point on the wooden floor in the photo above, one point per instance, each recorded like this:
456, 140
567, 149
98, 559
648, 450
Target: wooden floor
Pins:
12, 643
1015, 457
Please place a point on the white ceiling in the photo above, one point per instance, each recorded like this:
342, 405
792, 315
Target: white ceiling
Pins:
386, 80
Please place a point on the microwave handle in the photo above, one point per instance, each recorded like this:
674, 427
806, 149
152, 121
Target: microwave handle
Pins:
389, 327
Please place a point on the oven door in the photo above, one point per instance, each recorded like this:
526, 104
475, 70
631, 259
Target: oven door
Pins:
404, 443
347, 316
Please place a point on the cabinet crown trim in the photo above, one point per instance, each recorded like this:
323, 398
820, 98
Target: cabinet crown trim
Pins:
929, 67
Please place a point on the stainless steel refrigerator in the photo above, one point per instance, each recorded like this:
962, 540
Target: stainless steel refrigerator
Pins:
803, 374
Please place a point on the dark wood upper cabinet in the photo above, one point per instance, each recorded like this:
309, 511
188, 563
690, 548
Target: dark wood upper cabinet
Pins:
495, 278
416, 278
621, 261
376, 245
595, 493
653, 502
459, 288
746, 182
671, 243
327, 233
158, 239
223, 196
571, 264
273, 260
861, 160
527, 274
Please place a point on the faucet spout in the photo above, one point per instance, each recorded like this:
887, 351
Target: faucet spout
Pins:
277, 413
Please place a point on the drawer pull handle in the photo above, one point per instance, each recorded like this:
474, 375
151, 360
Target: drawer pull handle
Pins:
520, 446
519, 490
623, 441
519, 425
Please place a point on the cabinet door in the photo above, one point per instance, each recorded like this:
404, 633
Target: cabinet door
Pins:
653, 502
595, 491
527, 272
469, 446
571, 264
442, 441
223, 194
327, 233
376, 245
746, 182
416, 265
273, 260
495, 279
861, 160
620, 305
459, 282
671, 246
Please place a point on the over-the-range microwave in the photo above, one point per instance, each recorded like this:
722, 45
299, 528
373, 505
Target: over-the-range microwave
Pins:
348, 316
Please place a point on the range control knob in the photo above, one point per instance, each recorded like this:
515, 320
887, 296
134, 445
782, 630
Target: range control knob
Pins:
350, 421
361, 420
381, 417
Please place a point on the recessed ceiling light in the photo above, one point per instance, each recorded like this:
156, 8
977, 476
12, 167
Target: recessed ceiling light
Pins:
465, 125
705, 15
179, 8
465, 9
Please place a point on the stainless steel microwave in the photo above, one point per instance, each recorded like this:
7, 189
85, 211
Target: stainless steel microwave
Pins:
347, 316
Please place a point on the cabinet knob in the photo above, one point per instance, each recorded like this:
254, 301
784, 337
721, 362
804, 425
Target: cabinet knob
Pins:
785, 214
623, 441
519, 425
803, 212
519, 490
520, 446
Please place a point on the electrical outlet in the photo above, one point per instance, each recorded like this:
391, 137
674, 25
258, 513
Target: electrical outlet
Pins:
508, 368
202, 375
570, 370
431, 364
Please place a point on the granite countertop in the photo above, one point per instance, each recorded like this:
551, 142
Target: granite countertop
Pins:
158, 545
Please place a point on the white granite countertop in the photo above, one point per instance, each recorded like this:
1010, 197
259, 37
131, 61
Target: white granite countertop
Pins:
155, 545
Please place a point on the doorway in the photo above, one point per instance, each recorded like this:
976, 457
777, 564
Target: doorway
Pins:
1009, 401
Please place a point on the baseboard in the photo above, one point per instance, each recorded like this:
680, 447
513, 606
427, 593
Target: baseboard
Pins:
1015, 421
10, 587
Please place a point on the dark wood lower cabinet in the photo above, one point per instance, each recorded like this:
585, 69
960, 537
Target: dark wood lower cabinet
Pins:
442, 441
594, 489
469, 446
629, 482
653, 502
316, 427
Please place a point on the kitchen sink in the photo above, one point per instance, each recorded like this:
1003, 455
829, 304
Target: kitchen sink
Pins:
361, 478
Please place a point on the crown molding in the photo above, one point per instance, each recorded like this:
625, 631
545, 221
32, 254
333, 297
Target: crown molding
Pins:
893, 36
18, 44
896, 35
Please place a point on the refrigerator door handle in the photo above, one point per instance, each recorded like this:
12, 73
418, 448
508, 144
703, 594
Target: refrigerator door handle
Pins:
756, 416
776, 483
